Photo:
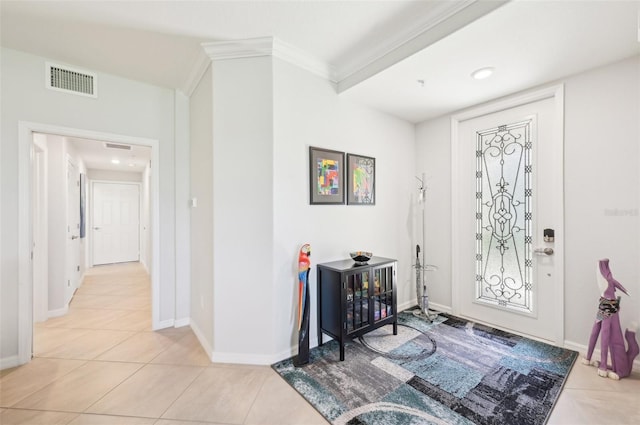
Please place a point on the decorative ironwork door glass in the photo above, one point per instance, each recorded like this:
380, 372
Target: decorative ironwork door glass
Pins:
504, 266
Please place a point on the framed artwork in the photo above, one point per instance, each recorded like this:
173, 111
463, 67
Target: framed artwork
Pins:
326, 176
361, 180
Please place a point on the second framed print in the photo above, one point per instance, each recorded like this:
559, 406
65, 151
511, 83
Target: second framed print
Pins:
361, 180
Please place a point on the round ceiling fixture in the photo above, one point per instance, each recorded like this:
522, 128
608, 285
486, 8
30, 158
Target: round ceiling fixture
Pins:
482, 73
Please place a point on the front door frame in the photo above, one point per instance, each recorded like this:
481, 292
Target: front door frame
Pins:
556, 92
25, 222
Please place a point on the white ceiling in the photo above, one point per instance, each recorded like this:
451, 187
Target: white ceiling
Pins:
98, 155
377, 49
529, 43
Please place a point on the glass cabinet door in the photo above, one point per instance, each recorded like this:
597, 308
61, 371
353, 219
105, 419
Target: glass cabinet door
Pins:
382, 293
357, 290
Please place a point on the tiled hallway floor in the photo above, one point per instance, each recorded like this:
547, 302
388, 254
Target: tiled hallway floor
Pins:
102, 364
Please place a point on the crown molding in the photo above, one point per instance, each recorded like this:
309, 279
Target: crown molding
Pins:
198, 69
252, 48
236, 49
268, 46
302, 59
445, 19
440, 12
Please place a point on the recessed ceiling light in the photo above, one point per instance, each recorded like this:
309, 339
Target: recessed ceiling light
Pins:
482, 73
115, 161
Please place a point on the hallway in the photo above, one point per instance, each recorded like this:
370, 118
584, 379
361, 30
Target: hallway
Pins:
102, 364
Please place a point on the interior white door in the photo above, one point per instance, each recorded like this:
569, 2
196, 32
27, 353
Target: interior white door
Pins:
73, 229
115, 222
507, 189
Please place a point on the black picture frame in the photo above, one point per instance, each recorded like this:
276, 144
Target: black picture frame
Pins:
361, 180
326, 176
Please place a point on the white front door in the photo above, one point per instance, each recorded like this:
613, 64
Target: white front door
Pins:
508, 185
115, 222
73, 229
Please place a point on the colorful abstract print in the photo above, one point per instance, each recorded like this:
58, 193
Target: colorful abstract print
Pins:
363, 180
328, 177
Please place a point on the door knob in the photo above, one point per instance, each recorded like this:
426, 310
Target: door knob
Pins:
543, 251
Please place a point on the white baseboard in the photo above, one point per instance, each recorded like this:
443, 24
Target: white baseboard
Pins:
163, 324
203, 341
406, 305
432, 306
582, 349
8, 362
439, 307
235, 358
178, 323
57, 313
249, 359
144, 264
81, 279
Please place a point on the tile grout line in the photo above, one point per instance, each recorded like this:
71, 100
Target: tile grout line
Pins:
182, 392
253, 402
50, 382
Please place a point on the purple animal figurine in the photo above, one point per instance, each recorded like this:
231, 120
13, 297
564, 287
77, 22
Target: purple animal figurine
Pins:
607, 326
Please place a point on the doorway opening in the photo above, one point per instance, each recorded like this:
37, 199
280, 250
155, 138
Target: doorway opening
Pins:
32, 231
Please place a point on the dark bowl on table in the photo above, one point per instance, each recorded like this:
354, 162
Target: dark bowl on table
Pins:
361, 257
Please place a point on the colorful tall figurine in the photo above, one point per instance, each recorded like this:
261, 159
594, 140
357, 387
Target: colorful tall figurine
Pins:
607, 326
304, 265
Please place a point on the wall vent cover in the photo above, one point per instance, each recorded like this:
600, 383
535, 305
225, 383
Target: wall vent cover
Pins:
116, 146
71, 80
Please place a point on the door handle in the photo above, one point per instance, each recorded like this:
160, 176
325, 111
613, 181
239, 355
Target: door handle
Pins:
543, 251
74, 237
96, 228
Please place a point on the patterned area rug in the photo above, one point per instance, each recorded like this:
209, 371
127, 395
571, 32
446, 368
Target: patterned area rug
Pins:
447, 372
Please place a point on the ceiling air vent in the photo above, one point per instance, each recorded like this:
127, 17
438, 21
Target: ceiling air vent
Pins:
116, 146
71, 80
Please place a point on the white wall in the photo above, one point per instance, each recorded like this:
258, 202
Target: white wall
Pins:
201, 181
307, 112
123, 107
266, 114
243, 209
183, 213
433, 158
602, 191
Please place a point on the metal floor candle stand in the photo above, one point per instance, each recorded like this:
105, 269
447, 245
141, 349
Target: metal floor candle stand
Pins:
422, 295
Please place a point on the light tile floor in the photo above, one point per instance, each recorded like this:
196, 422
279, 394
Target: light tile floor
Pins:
102, 365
